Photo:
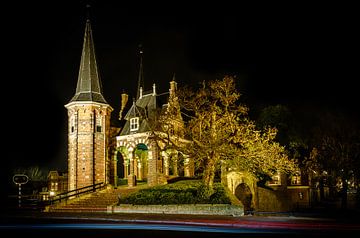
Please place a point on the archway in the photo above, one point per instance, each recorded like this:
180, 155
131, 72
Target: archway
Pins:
120, 165
243, 193
140, 164
170, 165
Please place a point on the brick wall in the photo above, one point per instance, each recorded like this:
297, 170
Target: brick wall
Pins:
89, 125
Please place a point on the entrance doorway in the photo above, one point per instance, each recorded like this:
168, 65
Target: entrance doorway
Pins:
243, 193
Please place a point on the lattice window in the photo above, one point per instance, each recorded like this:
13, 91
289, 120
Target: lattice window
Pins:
134, 124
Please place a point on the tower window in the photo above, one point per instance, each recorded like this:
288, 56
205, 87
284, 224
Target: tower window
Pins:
98, 123
72, 124
134, 124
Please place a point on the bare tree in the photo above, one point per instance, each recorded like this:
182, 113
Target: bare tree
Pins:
218, 129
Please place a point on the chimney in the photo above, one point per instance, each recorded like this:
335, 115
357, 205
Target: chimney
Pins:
154, 89
141, 92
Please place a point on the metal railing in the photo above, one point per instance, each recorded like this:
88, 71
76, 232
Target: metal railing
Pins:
76, 192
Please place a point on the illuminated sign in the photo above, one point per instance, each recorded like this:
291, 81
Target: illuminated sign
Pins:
20, 179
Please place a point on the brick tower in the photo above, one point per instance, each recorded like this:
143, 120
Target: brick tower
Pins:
88, 123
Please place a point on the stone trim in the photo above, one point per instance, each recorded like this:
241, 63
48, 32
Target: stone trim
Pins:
191, 209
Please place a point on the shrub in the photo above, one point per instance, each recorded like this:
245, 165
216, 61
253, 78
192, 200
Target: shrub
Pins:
182, 192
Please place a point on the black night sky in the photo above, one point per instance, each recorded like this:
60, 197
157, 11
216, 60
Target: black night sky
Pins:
298, 55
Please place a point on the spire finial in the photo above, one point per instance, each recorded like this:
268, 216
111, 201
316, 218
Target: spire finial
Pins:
88, 12
140, 49
141, 72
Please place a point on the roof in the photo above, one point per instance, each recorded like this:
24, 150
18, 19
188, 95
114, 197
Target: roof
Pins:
89, 86
146, 108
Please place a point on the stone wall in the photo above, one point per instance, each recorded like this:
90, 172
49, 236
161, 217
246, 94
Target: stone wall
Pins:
299, 197
283, 200
193, 209
272, 200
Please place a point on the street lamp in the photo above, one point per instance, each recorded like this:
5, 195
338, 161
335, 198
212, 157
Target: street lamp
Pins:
20, 179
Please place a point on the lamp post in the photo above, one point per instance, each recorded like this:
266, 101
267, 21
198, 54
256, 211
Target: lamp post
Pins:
20, 179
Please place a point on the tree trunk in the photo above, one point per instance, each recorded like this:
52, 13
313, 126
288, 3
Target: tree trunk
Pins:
209, 166
212, 158
209, 173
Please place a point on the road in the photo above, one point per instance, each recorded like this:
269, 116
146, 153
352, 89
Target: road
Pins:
41, 224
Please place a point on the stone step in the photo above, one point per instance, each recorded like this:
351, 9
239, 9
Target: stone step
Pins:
95, 202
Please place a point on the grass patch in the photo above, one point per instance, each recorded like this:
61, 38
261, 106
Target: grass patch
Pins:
181, 192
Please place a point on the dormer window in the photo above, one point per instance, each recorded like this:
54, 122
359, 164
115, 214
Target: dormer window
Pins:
134, 124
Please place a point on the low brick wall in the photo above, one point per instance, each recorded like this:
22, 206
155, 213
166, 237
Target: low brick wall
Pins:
192, 209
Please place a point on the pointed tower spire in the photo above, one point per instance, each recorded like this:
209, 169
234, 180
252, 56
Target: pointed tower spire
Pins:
88, 124
141, 73
89, 86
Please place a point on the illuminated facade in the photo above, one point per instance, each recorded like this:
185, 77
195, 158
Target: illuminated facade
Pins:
137, 154
88, 123
141, 150
281, 193
57, 182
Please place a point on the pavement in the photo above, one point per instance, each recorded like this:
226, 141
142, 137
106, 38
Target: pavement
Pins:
339, 221
100, 224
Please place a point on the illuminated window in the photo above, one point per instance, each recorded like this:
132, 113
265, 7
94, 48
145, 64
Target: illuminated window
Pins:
275, 179
134, 124
296, 179
98, 123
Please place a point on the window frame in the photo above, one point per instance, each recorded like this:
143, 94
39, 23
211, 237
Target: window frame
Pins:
134, 124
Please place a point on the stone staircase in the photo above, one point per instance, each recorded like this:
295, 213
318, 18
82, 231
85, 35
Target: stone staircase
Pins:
93, 202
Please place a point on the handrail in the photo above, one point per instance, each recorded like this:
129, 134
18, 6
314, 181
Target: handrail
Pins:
77, 192
74, 190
